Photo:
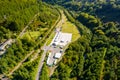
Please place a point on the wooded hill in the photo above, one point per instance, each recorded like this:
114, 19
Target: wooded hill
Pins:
106, 10
16, 14
96, 54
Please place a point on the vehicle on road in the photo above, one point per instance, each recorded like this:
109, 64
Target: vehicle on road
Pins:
61, 51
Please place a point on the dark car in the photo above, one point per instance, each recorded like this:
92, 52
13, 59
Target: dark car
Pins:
61, 51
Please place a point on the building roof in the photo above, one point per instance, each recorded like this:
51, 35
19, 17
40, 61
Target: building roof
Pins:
57, 55
49, 60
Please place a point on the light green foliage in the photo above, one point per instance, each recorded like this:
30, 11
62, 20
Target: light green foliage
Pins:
44, 73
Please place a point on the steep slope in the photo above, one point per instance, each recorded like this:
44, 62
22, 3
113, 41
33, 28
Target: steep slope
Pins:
95, 55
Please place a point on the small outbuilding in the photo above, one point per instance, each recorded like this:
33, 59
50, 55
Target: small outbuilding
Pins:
57, 55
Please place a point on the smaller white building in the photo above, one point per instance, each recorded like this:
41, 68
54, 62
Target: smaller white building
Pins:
57, 55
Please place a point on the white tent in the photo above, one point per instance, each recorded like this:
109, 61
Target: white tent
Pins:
57, 55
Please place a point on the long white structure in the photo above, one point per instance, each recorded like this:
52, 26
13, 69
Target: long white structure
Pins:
50, 59
62, 39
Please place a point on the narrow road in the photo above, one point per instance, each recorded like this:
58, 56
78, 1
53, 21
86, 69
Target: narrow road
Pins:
41, 63
23, 31
20, 63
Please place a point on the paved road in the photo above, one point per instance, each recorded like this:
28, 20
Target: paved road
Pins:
53, 50
41, 63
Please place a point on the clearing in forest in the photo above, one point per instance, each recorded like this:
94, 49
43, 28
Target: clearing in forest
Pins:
69, 27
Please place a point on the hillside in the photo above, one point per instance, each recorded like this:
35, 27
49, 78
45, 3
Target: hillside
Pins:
92, 54
16, 14
95, 55
34, 20
106, 10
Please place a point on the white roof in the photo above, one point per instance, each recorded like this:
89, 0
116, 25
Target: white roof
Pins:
48, 60
62, 38
57, 55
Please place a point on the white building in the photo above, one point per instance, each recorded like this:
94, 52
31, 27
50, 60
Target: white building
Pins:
50, 59
57, 55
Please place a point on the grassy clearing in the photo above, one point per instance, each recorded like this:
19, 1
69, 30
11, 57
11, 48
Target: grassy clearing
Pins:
69, 27
102, 68
33, 34
44, 29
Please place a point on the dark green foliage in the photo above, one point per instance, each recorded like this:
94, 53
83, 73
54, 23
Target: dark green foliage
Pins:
107, 10
88, 20
17, 13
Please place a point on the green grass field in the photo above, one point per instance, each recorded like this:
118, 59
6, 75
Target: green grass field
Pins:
33, 34
69, 27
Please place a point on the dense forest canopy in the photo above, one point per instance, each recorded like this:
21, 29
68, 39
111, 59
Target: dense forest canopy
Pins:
16, 14
106, 10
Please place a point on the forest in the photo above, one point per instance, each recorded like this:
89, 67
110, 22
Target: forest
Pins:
15, 15
96, 54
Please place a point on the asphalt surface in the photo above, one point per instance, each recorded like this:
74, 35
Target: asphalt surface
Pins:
41, 64
53, 50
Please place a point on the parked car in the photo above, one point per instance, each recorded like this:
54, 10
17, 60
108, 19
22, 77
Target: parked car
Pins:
61, 51
61, 47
